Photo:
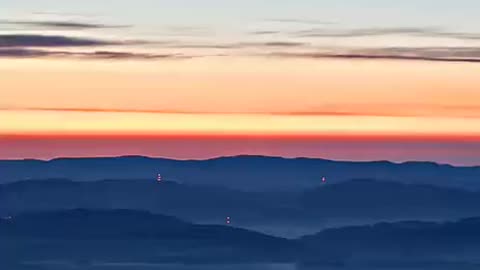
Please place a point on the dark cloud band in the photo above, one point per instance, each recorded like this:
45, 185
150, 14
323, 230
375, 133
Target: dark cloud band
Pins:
385, 57
60, 24
112, 55
18, 40
434, 54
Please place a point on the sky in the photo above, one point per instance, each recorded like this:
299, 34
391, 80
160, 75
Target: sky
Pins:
343, 79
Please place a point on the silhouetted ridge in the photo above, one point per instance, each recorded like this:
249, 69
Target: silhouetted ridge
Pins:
251, 173
356, 201
133, 236
381, 199
390, 243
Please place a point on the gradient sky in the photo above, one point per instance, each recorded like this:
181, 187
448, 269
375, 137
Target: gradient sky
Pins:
391, 80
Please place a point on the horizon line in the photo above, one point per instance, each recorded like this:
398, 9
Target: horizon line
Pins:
243, 155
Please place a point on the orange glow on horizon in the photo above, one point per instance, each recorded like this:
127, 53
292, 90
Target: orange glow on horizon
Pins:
286, 137
241, 97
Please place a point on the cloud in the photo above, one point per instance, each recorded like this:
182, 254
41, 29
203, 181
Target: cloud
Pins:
433, 52
96, 110
266, 32
109, 55
272, 49
22, 53
20, 40
23, 46
116, 110
127, 55
364, 32
346, 33
387, 57
378, 110
281, 44
61, 24
433, 32
455, 35
436, 54
185, 45
239, 45
391, 110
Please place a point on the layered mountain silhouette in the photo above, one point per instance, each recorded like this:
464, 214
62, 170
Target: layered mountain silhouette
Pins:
196, 203
379, 199
249, 173
83, 237
65, 212
358, 201
400, 243
131, 236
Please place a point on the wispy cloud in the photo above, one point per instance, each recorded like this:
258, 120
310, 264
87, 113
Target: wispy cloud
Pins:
279, 44
239, 45
428, 51
379, 31
383, 110
325, 32
130, 55
346, 33
60, 24
390, 110
109, 55
115, 110
23, 46
266, 32
365, 56
98, 110
23, 53
21, 40
295, 44
334, 32
437, 54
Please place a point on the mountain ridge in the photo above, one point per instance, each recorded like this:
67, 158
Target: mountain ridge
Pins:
249, 173
247, 157
358, 201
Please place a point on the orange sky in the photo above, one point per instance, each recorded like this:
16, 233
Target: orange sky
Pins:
334, 79
239, 95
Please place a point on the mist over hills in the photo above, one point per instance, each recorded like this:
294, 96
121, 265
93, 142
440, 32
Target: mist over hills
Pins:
82, 237
112, 210
381, 199
196, 203
287, 214
249, 173
407, 241
131, 236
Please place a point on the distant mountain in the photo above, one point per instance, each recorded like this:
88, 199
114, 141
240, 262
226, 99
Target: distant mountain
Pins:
242, 172
288, 214
84, 236
206, 204
398, 243
366, 198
